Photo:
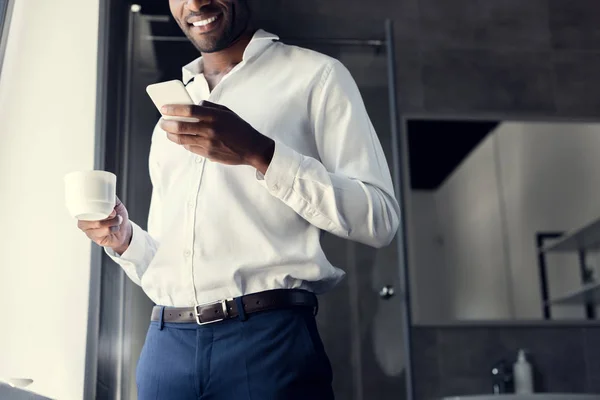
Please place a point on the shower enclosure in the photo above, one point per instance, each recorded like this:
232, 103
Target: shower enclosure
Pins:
364, 323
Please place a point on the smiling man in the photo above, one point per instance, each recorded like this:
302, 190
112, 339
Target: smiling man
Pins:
283, 149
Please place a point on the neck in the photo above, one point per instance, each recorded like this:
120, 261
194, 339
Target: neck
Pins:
221, 61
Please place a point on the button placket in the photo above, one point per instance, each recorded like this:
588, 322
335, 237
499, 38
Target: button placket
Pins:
199, 161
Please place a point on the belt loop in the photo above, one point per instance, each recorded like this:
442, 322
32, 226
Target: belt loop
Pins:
161, 320
240, 308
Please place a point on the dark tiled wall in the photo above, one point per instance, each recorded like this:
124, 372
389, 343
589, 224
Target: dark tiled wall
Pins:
451, 361
507, 57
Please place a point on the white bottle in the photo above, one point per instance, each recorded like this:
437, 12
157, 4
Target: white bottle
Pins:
522, 374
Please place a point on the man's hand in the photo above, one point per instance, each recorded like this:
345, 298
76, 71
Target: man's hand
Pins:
114, 232
219, 135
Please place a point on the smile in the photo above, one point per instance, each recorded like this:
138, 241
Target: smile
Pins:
207, 21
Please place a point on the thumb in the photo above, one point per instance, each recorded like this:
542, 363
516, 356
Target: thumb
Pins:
215, 106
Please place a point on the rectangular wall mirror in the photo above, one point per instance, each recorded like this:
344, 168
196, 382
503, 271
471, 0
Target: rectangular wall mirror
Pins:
503, 220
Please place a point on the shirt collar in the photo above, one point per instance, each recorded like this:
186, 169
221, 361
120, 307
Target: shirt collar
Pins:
260, 41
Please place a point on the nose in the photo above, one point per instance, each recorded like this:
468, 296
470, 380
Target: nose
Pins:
196, 5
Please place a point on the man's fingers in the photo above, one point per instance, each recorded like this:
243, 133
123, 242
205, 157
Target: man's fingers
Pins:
103, 241
191, 111
107, 223
97, 234
182, 128
200, 128
188, 140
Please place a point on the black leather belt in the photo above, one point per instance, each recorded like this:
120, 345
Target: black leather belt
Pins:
227, 309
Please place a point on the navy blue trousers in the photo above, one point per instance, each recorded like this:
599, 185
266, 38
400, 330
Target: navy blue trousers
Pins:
273, 355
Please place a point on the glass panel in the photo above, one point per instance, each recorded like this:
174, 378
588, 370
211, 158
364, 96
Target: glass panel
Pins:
376, 332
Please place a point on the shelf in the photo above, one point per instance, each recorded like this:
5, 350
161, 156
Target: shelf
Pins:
589, 293
584, 238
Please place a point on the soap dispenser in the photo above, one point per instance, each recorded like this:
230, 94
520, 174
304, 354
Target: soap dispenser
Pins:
523, 374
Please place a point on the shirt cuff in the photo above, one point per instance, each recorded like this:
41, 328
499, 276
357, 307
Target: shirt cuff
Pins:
135, 252
282, 170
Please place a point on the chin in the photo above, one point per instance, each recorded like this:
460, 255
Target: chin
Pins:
209, 42
208, 46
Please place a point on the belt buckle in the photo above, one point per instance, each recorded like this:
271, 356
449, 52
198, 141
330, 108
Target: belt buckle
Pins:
223, 308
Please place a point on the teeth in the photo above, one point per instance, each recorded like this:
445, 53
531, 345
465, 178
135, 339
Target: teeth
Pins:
205, 21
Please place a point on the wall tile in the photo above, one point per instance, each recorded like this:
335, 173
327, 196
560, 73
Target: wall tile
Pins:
341, 18
426, 350
350, 19
409, 78
574, 24
485, 24
591, 342
426, 363
365, 17
469, 352
488, 81
565, 359
464, 386
556, 352
428, 389
577, 83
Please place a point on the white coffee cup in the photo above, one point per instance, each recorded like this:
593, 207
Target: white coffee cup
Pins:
90, 195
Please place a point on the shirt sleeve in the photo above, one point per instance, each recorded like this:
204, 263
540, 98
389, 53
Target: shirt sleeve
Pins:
144, 244
349, 191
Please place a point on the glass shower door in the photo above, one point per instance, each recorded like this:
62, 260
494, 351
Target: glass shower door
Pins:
362, 322
373, 354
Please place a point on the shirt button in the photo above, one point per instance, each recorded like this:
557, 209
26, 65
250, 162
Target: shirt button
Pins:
275, 187
198, 160
191, 204
187, 253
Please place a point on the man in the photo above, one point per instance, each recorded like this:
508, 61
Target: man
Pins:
283, 150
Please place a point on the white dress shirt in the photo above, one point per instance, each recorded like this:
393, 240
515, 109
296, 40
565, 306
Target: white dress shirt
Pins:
217, 231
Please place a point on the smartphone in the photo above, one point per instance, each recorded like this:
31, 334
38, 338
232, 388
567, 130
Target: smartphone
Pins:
170, 92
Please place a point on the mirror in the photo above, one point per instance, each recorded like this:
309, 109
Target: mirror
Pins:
503, 220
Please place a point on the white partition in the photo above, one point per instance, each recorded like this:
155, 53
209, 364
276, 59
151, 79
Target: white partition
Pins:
47, 128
